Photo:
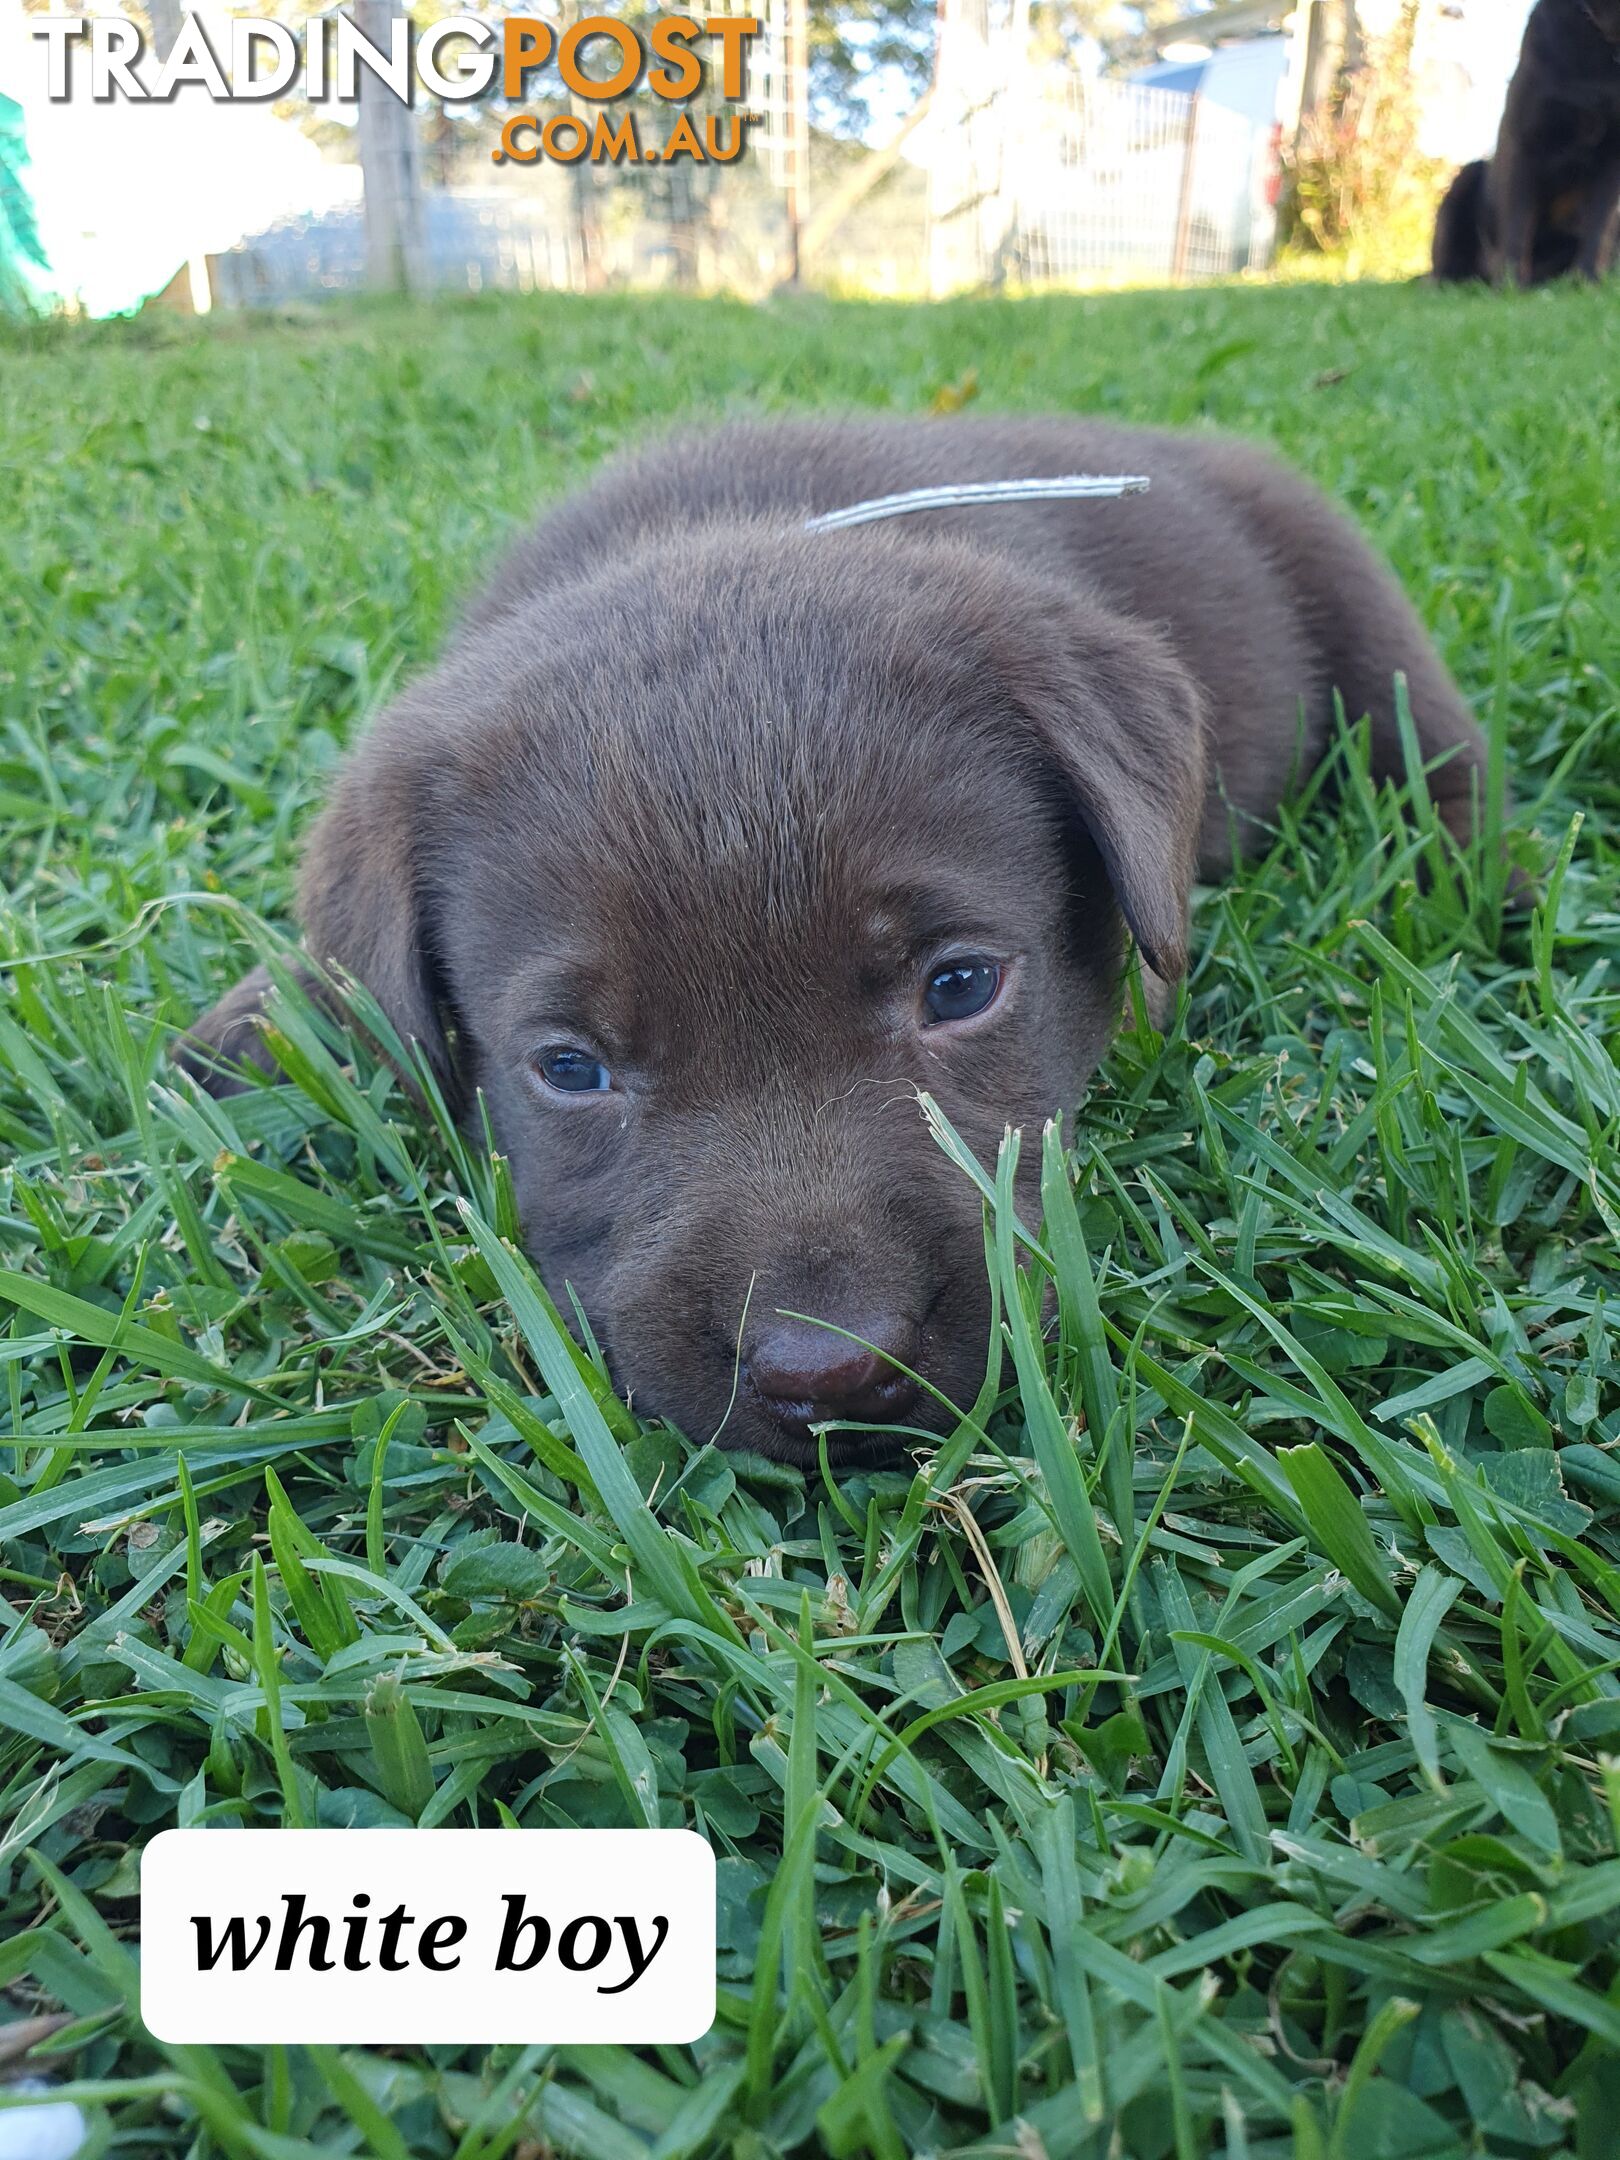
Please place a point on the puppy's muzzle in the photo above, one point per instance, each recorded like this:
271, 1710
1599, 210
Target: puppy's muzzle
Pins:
806, 1375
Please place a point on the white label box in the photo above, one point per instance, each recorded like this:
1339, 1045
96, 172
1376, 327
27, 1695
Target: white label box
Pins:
457, 1935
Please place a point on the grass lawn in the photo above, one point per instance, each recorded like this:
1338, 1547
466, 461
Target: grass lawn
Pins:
312, 1516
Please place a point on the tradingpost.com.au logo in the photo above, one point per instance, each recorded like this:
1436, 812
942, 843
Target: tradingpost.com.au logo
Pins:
672, 59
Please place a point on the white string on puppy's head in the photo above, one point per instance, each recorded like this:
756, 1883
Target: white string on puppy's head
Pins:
970, 494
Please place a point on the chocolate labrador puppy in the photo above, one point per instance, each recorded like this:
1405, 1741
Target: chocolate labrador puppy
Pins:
1544, 202
711, 841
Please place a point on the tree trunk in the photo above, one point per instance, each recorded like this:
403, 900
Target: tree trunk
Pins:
852, 191
796, 129
164, 16
396, 250
1333, 47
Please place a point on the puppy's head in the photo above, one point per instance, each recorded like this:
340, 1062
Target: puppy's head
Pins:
701, 869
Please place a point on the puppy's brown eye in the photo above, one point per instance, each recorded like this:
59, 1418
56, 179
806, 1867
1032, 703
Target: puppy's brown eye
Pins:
960, 989
572, 1072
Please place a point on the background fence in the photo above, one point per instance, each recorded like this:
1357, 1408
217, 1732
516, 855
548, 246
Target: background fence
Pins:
1017, 172
1092, 181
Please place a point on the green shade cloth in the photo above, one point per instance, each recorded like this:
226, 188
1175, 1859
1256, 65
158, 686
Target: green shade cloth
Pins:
20, 245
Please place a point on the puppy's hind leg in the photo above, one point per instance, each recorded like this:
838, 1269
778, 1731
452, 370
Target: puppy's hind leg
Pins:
1366, 632
1519, 219
1595, 251
1458, 253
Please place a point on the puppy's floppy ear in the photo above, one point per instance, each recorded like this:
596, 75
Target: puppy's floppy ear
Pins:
363, 903
363, 893
1122, 722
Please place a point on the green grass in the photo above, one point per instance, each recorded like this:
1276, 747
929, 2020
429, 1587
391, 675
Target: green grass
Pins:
1319, 1449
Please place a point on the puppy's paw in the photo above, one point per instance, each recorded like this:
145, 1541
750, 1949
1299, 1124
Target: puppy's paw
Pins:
1523, 891
225, 1047
1159, 996
1158, 999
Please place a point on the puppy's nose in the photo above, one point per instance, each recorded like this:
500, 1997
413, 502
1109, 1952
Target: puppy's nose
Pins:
807, 1374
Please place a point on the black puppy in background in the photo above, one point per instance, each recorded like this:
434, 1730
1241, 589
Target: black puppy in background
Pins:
1544, 204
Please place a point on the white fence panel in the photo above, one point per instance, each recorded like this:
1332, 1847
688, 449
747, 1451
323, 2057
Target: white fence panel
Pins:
1045, 177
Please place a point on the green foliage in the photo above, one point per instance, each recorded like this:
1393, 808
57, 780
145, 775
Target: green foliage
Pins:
1357, 188
21, 254
858, 46
1242, 1784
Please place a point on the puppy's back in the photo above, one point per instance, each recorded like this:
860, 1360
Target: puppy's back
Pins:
797, 469
1265, 592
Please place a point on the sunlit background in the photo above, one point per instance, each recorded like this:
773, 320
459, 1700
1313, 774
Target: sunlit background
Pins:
905, 147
